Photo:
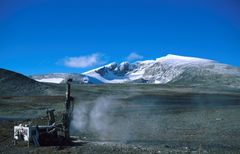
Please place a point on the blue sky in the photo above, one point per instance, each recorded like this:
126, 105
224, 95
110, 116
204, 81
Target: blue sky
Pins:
43, 36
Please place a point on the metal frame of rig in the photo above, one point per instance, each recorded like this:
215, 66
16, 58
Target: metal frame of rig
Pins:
51, 134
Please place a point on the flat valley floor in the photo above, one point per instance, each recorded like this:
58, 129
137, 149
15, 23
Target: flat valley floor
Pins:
128, 118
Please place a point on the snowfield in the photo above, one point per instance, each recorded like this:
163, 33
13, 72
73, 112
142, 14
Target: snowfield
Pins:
51, 80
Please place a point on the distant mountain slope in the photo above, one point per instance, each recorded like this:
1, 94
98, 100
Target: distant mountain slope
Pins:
15, 84
63, 77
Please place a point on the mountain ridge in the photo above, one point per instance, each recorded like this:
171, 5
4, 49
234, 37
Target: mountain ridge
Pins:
170, 69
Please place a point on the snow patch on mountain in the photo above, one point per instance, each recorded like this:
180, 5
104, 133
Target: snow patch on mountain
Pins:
51, 80
63, 77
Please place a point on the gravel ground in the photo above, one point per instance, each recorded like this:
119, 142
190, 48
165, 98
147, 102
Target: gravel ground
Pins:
142, 120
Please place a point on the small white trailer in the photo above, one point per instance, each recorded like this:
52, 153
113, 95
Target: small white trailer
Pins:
26, 133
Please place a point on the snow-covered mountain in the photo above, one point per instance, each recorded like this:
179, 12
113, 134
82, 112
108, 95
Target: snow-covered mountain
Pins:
171, 69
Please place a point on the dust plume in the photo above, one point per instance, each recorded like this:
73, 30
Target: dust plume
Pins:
97, 117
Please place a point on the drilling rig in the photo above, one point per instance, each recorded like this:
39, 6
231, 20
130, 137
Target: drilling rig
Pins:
53, 133
67, 116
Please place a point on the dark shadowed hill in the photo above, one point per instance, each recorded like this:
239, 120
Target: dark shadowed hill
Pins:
15, 84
